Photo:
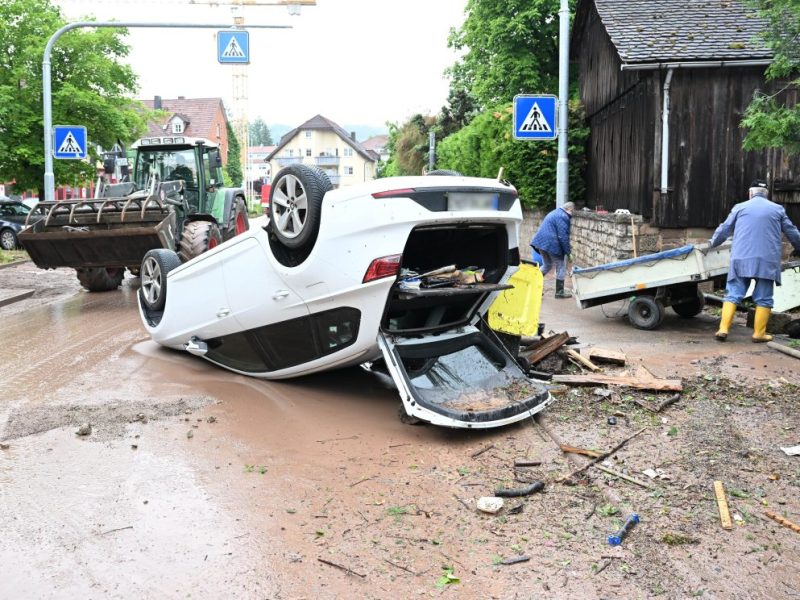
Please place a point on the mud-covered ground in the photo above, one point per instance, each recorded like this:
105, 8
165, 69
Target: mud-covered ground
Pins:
198, 482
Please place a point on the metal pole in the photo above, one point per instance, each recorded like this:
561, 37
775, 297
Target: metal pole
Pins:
562, 166
49, 176
431, 150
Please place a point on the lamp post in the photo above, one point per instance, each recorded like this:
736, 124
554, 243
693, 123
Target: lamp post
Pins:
562, 166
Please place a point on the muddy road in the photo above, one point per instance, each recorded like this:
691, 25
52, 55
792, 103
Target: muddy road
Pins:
199, 482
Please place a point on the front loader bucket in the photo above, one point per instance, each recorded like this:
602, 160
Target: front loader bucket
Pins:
97, 233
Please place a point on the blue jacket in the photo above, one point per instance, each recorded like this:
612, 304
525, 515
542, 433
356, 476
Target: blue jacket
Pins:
756, 226
553, 234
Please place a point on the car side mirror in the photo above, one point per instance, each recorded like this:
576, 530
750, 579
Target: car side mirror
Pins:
214, 158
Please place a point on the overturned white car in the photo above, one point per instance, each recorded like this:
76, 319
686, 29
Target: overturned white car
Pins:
330, 283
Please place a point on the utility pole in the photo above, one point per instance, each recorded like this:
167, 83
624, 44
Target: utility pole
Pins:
562, 166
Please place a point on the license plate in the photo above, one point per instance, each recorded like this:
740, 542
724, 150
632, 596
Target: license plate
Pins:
472, 201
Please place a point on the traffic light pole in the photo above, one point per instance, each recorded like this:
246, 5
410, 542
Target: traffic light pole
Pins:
47, 96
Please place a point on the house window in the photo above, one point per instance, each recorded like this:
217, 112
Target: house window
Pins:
218, 136
291, 153
308, 135
348, 170
308, 151
177, 126
348, 152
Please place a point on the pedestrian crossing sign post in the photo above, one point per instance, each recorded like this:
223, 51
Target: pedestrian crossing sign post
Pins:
233, 47
69, 141
535, 117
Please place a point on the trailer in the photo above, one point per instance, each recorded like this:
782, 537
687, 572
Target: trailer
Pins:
653, 282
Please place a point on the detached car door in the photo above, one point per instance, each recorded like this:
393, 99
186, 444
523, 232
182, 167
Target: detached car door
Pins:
462, 378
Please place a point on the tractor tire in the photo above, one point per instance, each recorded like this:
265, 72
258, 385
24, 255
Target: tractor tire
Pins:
8, 239
444, 172
295, 206
100, 279
197, 237
646, 312
691, 308
156, 264
239, 221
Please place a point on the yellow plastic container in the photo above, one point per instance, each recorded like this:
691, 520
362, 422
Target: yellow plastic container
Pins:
516, 311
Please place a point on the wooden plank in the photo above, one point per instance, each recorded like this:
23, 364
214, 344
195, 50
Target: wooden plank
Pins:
785, 522
598, 355
583, 451
722, 504
582, 360
639, 383
623, 476
545, 347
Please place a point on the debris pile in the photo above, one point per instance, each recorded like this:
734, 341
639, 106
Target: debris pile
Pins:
448, 276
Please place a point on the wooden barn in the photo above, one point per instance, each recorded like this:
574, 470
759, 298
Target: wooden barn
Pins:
665, 84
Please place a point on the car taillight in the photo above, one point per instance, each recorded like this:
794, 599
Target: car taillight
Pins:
394, 193
386, 266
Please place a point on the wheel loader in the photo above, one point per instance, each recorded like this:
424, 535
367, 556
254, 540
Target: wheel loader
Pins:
175, 199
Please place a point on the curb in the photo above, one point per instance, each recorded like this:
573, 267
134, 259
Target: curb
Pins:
14, 263
22, 295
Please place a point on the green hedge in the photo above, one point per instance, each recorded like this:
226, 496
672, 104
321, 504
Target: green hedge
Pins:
488, 143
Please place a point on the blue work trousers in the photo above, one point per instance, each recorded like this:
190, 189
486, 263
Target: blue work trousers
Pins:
559, 262
762, 294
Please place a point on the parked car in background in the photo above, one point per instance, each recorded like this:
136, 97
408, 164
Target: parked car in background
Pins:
12, 220
338, 278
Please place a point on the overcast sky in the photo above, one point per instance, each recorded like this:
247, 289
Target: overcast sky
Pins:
353, 61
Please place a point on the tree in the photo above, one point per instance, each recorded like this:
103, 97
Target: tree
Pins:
233, 167
772, 120
260, 134
509, 48
90, 87
408, 146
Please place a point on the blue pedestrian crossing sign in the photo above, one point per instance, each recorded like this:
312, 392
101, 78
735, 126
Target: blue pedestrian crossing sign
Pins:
233, 47
69, 141
535, 117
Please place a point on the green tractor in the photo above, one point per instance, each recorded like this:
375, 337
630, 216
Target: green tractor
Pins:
175, 199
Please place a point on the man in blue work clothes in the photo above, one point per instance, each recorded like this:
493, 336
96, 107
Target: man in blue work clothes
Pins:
756, 226
552, 242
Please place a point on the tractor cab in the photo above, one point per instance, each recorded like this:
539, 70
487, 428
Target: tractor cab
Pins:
195, 161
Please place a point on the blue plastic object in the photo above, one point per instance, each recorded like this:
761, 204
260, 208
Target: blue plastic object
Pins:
536, 257
616, 539
676, 253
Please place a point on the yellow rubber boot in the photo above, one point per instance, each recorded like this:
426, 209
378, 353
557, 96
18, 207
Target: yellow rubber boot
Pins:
760, 325
728, 310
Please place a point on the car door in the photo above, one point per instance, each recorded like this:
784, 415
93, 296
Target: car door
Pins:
462, 378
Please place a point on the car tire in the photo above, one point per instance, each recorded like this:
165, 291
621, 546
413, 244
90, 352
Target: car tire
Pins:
100, 279
691, 308
198, 237
646, 312
8, 239
156, 264
445, 172
323, 179
295, 206
239, 221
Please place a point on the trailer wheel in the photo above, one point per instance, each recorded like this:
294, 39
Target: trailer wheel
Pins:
197, 237
100, 279
155, 266
646, 312
295, 205
692, 307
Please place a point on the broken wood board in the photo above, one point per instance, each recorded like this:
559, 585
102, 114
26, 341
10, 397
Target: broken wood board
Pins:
622, 476
631, 381
601, 355
545, 347
722, 505
583, 451
785, 522
582, 360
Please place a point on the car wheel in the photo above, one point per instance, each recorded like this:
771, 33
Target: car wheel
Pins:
295, 205
444, 172
100, 279
8, 239
323, 179
156, 264
692, 307
239, 222
197, 237
646, 312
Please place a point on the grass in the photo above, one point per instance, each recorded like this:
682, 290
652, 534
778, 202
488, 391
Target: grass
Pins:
7, 256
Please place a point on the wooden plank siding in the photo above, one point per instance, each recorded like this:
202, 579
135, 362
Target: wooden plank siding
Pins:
708, 170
